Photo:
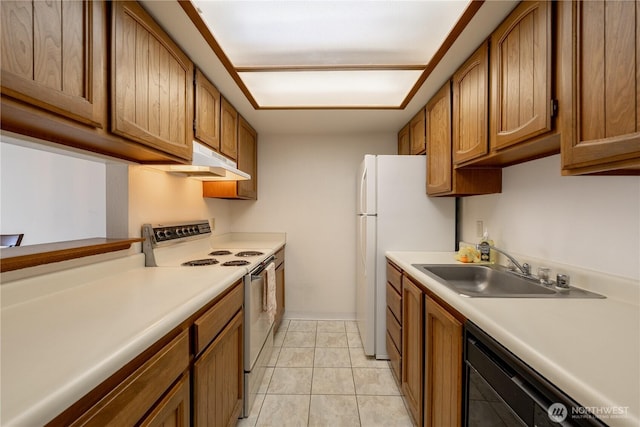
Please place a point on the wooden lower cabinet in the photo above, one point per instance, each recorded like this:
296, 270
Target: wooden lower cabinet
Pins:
192, 376
218, 379
394, 320
412, 347
443, 367
430, 356
173, 409
280, 284
130, 400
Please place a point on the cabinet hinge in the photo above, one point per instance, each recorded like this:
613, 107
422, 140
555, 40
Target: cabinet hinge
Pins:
194, 125
554, 107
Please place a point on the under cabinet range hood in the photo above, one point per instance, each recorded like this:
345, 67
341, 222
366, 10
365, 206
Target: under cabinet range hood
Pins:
207, 165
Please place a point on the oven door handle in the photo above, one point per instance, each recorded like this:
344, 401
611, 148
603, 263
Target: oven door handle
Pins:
256, 273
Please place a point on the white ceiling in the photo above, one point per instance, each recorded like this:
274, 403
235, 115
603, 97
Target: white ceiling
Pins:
173, 19
303, 53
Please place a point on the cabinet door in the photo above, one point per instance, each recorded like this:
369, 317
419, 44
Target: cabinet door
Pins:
218, 378
135, 396
248, 159
471, 107
439, 135
152, 83
207, 112
443, 372
601, 84
173, 409
404, 142
412, 347
521, 75
417, 133
228, 130
52, 56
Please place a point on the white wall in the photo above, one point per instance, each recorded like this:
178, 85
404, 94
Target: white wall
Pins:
158, 197
50, 197
306, 188
591, 222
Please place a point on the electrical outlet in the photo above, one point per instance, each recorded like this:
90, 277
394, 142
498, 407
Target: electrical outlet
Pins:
479, 228
212, 223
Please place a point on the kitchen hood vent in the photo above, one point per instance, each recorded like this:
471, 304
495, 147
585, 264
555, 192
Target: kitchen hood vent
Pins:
207, 165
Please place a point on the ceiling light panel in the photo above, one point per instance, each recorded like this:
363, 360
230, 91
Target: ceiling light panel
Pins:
365, 88
276, 33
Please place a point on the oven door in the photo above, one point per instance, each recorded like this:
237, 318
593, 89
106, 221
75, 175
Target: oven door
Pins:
257, 321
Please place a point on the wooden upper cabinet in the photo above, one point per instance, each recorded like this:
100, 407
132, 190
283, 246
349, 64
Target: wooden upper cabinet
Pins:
228, 130
207, 112
443, 362
471, 107
438, 118
248, 159
417, 133
404, 142
521, 77
152, 83
601, 83
443, 179
52, 57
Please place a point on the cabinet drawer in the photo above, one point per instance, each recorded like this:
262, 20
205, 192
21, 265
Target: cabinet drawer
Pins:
395, 360
394, 276
128, 402
394, 329
394, 302
210, 324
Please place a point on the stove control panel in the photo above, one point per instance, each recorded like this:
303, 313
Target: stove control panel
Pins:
165, 233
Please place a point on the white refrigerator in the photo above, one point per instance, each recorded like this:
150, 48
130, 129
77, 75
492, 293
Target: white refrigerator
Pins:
394, 213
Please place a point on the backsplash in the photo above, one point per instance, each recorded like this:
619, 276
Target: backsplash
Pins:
590, 222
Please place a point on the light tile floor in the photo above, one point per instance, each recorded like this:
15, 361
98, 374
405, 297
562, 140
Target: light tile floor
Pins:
320, 376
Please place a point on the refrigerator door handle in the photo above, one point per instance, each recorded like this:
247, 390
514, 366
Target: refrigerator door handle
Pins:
363, 191
363, 244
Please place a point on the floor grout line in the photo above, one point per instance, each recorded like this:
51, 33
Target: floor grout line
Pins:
351, 351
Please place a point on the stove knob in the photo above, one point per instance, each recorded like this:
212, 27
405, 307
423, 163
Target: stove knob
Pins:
179, 231
159, 234
185, 231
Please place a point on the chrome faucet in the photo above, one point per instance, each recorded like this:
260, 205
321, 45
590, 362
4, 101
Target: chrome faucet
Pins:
525, 269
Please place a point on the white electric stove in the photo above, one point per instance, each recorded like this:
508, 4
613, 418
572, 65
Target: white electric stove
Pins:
188, 245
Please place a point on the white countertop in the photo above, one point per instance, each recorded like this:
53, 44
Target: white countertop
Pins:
589, 348
66, 332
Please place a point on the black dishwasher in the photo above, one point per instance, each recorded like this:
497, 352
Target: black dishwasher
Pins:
501, 390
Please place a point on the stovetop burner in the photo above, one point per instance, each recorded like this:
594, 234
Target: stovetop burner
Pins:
249, 253
236, 263
219, 253
200, 262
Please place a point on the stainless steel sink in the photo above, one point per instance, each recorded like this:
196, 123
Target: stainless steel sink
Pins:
495, 282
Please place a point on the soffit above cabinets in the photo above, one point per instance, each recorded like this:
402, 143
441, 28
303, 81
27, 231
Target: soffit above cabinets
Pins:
361, 54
